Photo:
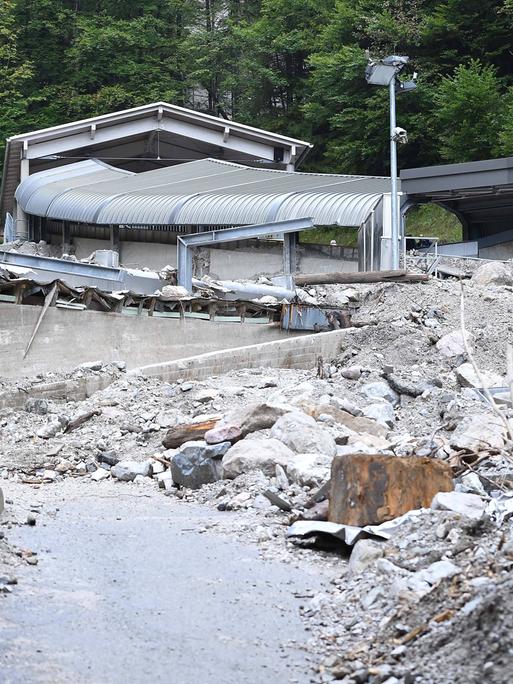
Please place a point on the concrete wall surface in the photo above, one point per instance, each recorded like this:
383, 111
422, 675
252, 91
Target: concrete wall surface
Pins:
294, 352
224, 263
68, 338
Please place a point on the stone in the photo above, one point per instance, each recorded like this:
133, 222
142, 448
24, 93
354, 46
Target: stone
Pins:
407, 386
492, 273
108, 457
472, 484
369, 489
380, 390
281, 478
467, 377
223, 433
2, 501
478, 431
31, 519
312, 470
186, 432
353, 423
451, 345
255, 416
351, 372
128, 470
205, 395
363, 555
157, 467
469, 505
37, 406
383, 413
303, 435
54, 426
63, 466
346, 405
438, 571
194, 465
100, 474
256, 454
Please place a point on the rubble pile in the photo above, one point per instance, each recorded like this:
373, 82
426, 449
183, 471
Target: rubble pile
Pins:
261, 443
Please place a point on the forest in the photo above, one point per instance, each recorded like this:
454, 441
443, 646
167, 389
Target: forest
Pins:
293, 66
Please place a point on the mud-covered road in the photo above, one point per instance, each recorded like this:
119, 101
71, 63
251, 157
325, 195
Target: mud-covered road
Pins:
132, 586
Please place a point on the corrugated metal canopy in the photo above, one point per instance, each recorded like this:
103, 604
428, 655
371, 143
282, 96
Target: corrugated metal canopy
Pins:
205, 192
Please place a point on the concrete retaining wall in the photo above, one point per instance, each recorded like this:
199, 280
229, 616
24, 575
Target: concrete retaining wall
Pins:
295, 352
68, 338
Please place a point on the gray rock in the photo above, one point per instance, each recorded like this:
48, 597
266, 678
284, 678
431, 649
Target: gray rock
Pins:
346, 405
365, 552
478, 431
351, 372
38, 406
281, 478
451, 345
469, 505
196, 463
438, 571
128, 470
383, 413
492, 273
2, 500
256, 454
380, 390
302, 434
467, 377
312, 470
406, 386
100, 474
54, 426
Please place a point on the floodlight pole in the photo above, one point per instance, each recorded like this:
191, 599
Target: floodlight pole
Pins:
394, 199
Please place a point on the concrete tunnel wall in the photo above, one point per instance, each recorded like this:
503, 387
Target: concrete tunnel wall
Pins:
68, 338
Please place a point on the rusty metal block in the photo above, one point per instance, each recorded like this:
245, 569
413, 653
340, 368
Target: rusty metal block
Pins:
369, 489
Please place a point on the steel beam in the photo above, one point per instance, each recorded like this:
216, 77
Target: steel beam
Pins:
186, 242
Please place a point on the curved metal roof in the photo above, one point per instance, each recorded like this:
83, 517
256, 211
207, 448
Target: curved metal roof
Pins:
205, 192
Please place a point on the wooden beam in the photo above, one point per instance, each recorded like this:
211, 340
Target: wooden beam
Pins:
359, 277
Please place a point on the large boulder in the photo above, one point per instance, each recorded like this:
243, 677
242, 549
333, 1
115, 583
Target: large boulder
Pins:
302, 434
256, 454
492, 273
452, 344
197, 463
470, 505
255, 416
312, 470
383, 413
479, 431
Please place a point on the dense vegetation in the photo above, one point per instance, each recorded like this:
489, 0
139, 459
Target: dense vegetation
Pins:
295, 66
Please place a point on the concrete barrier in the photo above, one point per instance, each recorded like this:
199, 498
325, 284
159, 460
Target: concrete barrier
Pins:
294, 352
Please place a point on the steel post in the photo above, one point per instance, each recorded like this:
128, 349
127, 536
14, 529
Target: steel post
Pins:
393, 178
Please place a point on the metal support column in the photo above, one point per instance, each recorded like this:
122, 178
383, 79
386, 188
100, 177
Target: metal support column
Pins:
66, 241
20, 218
114, 240
290, 245
393, 176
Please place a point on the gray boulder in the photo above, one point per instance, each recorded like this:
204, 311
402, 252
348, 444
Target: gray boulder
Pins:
312, 470
469, 505
364, 554
451, 345
467, 377
197, 463
383, 413
479, 431
492, 273
302, 434
256, 454
128, 470
380, 390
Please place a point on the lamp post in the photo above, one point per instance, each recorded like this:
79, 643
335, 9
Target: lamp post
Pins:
385, 72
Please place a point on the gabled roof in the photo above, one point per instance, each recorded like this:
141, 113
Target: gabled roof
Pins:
153, 135
205, 192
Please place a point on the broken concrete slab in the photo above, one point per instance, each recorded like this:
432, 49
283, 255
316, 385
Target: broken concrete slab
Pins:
467, 377
365, 552
479, 431
368, 489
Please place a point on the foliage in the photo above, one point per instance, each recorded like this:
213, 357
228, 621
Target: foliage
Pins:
295, 66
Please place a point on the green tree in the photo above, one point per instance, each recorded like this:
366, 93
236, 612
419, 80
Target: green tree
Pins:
467, 114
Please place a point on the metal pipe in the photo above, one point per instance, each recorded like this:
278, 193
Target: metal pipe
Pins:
393, 177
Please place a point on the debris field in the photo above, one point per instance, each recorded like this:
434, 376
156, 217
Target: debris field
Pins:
417, 593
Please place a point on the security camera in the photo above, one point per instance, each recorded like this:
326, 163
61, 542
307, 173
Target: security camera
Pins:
399, 135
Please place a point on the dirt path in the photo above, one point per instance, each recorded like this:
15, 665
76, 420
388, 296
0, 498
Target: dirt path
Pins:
130, 587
